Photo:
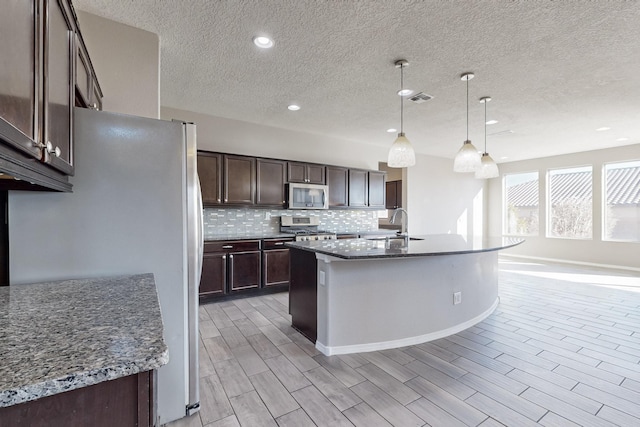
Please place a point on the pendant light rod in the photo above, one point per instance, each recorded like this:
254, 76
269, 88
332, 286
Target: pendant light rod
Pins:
401, 63
484, 100
467, 77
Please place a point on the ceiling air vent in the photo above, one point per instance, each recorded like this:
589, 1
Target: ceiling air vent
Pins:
421, 97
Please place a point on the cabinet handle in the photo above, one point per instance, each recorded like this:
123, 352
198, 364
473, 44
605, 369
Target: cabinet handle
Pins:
94, 106
57, 151
231, 272
226, 200
224, 257
218, 199
279, 243
228, 247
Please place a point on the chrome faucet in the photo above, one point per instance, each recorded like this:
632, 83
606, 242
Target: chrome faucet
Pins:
404, 229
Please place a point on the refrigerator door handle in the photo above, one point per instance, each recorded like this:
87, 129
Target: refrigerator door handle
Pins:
200, 211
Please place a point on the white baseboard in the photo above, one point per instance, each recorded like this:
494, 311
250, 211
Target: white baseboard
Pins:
385, 345
567, 261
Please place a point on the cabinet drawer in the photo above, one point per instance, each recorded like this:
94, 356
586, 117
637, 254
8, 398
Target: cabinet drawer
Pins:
232, 246
275, 243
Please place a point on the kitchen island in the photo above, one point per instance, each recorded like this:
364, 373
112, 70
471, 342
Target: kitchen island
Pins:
360, 295
80, 352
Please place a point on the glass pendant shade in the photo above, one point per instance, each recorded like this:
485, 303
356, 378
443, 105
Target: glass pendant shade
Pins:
401, 154
488, 168
467, 159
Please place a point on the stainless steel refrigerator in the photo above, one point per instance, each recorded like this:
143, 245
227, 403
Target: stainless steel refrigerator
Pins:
136, 207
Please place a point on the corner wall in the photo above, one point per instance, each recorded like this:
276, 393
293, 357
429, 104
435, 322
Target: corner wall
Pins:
593, 251
127, 63
441, 201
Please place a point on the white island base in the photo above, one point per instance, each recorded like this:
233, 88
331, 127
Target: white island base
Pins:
382, 303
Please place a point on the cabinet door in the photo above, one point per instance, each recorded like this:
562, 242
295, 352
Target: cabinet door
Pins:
275, 267
270, 182
358, 188
214, 274
210, 174
391, 195
18, 75
296, 172
338, 182
377, 189
239, 180
244, 270
83, 77
58, 86
315, 174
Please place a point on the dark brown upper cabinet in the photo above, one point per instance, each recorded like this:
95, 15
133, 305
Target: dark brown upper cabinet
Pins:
306, 173
88, 93
270, 181
239, 186
358, 188
210, 174
338, 182
19, 77
59, 94
39, 45
394, 194
377, 189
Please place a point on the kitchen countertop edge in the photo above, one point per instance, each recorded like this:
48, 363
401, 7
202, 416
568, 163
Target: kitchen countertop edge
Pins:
146, 326
375, 252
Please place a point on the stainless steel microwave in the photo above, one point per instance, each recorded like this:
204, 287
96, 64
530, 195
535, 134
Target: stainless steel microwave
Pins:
307, 196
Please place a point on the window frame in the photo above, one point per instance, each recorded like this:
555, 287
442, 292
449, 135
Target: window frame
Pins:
603, 214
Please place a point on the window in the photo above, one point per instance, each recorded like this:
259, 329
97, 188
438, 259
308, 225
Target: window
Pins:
521, 204
570, 203
622, 195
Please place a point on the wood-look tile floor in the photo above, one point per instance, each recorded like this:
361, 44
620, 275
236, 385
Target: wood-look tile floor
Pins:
561, 349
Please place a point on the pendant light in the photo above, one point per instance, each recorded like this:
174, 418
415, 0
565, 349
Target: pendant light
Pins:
401, 154
488, 168
467, 159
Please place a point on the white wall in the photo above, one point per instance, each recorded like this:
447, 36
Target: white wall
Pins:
127, 63
238, 137
441, 201
594, 251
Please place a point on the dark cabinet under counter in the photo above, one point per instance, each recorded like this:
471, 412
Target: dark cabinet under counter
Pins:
230, 266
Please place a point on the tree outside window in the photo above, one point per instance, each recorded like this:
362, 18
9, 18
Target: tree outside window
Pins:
521, 204
622, 195
571, 203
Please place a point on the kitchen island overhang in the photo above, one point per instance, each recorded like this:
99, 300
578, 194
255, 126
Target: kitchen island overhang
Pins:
381, 294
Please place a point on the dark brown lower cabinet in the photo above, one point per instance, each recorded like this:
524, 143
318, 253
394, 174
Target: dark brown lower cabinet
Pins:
214, 274
275, 262
230, 266
244, 270
303, 293
126, 401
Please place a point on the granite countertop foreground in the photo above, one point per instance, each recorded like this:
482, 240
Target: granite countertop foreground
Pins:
427, 245
60, 336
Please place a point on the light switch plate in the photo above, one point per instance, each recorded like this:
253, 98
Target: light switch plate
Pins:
457, 298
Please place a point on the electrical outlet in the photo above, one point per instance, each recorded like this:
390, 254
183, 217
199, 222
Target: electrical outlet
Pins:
321, 277
267, 215
457, 298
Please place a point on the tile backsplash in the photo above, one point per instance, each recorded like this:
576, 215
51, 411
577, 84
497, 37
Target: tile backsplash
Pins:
229, 221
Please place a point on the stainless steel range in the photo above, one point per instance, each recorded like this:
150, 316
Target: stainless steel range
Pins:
304, 228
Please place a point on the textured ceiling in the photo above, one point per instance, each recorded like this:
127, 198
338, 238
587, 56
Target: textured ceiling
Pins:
556, 70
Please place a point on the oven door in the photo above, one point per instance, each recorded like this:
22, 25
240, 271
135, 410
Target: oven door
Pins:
308, 196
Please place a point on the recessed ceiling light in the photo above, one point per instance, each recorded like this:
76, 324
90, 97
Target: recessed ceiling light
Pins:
293, 107
405, 92
263, 42
602, 129
622, 139
492, 122
392, 130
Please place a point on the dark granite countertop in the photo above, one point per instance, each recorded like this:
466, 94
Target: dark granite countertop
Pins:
223, 237
429, 245
60, 336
